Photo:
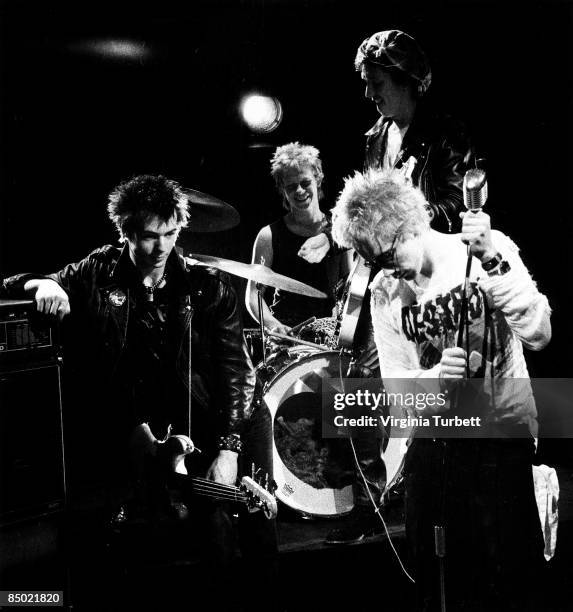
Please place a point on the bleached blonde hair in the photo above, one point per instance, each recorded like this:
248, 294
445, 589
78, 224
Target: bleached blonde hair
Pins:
378, 203
297, 156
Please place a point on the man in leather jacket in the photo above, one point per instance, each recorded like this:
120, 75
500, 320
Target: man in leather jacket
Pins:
440, 146
124, 299
131, 315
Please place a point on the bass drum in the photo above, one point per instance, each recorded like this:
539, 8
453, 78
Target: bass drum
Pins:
314, 475
395, 449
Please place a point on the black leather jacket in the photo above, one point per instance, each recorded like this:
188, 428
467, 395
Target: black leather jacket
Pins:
223, 376
443, 152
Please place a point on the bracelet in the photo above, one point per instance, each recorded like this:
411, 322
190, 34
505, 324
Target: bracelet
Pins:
490, 264
499, 270
232, 442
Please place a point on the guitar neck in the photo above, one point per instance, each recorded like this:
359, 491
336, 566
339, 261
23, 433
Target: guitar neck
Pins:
215, 490
250, 493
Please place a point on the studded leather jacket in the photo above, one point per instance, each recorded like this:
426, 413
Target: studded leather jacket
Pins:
222, 372
442, 152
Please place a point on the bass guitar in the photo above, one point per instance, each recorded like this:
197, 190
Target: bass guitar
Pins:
170, 454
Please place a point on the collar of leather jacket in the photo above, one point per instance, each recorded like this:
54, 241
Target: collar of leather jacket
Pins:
427, 125
124, 271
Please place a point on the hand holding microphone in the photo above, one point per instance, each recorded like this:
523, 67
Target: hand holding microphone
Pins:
476, 225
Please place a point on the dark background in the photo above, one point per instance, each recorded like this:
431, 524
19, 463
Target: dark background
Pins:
74, 124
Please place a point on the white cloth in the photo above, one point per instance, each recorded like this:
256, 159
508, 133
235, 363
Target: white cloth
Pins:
546, 487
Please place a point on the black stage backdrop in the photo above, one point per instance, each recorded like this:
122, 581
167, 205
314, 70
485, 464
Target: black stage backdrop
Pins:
75, 123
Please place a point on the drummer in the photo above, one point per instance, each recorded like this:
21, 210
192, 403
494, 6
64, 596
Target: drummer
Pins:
297, 171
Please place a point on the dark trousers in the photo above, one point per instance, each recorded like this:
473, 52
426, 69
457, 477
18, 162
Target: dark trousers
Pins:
481, 491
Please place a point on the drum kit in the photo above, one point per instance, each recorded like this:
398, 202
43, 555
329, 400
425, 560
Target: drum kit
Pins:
314, 476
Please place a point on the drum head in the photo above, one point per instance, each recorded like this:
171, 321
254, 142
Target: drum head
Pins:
314, 475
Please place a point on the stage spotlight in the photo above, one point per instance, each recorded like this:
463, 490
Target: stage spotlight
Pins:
262, 114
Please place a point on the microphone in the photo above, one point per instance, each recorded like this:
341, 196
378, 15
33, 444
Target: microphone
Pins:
475, 189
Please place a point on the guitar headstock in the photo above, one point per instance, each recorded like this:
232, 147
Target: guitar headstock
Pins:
258, 498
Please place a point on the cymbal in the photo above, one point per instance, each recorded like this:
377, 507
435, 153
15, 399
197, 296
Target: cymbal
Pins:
259, 274
209, 214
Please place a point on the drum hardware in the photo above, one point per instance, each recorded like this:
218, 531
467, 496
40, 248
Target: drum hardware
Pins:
318, 347
294, 330
253, 339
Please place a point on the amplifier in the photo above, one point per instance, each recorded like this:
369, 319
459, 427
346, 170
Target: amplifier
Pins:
32, 472
25, 335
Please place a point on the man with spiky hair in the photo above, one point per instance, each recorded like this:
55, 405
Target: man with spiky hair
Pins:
478, 489
430, 148
297, 171
154, 344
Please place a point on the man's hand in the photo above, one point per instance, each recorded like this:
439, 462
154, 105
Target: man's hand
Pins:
367, 363
476, 231
315, 248
50, 298
452, 366
279, 328
224, 469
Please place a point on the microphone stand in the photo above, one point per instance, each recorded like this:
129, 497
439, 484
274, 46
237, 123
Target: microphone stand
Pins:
475, 195
440, 528
464, 321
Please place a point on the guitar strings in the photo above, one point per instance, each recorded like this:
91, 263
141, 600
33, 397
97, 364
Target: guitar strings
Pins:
221, 496
222, 491
209, 484
199, 479
218, 491
204, 486
229, 494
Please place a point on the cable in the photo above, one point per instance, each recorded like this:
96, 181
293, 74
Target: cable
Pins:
377, 512
374, 505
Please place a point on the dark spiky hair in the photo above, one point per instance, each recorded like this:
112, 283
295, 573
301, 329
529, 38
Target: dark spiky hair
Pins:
134, 201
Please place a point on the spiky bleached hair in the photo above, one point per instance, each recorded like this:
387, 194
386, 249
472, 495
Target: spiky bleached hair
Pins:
377, 203
297, 156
